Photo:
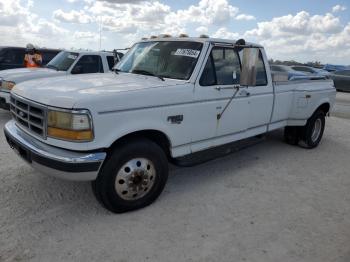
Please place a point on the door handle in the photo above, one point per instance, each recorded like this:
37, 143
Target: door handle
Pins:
236, 87
244, 93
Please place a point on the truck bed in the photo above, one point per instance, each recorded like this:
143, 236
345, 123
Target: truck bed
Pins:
295, 101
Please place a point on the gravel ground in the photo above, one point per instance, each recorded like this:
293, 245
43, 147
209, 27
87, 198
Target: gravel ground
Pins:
342, 105
271, 202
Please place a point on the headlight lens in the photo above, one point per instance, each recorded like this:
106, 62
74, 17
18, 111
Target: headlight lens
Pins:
7, 85
72, 126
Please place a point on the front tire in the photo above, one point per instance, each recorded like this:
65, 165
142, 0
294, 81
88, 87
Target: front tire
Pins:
132, 177
312, 132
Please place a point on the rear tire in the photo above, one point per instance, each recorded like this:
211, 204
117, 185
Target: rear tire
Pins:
132, 177
312, 132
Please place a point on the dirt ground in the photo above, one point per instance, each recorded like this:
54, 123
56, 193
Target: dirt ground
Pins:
342, 105
271, 202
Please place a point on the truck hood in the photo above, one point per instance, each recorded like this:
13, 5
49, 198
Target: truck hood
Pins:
23, 74
66, 91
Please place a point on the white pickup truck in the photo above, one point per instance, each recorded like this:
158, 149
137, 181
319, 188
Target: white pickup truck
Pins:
170, 99
64, 63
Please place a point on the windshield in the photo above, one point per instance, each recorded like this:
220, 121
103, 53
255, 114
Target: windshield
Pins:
170, 59
63, 61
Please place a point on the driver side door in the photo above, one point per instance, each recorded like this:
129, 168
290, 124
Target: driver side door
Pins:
213, 93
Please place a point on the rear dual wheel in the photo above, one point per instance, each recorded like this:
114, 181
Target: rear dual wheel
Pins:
309, 135
132, 177
313, 130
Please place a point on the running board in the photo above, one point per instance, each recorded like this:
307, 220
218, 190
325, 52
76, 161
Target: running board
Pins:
216, 152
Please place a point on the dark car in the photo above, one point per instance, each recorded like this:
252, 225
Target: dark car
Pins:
13, 57
341, 80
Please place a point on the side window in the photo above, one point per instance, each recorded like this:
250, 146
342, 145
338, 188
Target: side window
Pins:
110, 60
227, 66
47, 56
222, 68
19, 57
88, 64
309, 70
208, 77
276, 69
9, 56
261, 76
13, 56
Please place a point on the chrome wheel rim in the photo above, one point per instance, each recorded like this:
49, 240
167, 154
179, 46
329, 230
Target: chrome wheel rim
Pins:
135, 179
316, 131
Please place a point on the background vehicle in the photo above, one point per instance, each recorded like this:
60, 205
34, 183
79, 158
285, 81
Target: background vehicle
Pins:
334, 68
292, 74
13, 57
172, 99
341, 80
311, 70
66, 62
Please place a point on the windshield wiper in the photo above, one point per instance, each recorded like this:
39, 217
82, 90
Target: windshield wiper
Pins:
145, 72
52, 66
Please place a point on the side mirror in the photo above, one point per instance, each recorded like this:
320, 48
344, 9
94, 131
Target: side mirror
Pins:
78, 69
250, 58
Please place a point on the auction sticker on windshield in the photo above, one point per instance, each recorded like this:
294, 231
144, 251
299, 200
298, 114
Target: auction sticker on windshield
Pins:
72, 57
187, 52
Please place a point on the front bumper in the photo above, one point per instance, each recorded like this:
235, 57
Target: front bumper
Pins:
61, 163
5, 100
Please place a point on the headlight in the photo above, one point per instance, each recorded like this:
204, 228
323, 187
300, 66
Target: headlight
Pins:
72, 126
7, 85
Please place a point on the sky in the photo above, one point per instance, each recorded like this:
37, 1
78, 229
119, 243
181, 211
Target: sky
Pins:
312, 30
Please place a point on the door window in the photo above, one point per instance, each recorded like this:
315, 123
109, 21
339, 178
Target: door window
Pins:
222, 68
47, 56
261, 76
110, 60
303, 69
13, 56
88, 64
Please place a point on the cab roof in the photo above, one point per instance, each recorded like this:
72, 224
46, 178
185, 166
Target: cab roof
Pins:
38, 48
198, 39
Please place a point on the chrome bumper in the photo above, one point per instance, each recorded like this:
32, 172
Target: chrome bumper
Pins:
61, 163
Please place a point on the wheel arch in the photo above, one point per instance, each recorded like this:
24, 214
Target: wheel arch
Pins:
156, 136
325, 107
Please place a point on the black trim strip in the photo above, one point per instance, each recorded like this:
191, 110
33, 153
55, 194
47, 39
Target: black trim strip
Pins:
66, 167
239, 132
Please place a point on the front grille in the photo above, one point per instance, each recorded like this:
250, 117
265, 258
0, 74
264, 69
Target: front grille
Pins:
29, 115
